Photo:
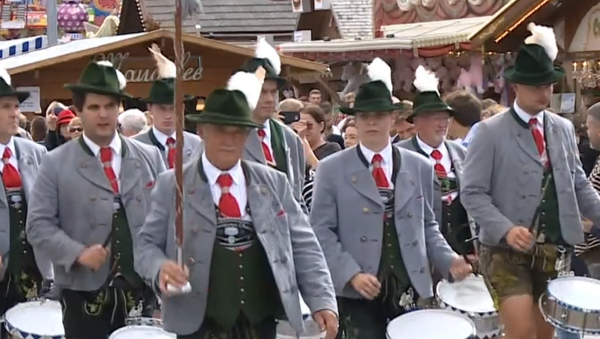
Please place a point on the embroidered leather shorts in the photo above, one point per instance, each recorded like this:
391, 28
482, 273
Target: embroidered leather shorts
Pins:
509, 273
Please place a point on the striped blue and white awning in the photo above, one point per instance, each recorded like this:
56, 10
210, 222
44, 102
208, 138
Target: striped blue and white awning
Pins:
11, 48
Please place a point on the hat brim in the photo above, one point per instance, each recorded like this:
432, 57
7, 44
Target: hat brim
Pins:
513, 76
186, 97
215, 118
372, 108
21, 96
430, 108
85, 88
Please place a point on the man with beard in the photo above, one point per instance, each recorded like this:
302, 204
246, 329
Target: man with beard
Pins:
21, 270
524, 186
273, 143
248, 241
431, 116
162, 108
88, 205
372, 215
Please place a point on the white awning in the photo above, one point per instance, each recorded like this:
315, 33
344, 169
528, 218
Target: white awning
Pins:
11, 48
405, 36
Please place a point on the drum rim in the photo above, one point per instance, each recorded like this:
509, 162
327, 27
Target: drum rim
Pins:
440, 311
569, 306
443, 282
10, 328
130, 327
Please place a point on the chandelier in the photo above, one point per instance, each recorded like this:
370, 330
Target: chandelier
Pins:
586, 73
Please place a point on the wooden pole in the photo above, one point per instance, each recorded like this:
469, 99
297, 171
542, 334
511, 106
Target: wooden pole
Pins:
179, 110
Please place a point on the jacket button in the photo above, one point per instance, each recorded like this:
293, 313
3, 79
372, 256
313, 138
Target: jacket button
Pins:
409, 215
191, 261
415, 243
363, 239
365, 210
284, 260
422, 270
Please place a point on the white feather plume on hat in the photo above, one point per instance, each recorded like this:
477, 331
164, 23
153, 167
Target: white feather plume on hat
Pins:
5, 76
166, 68
120, 76
425, 80
378, 70
250, 84
266, 51
543, 36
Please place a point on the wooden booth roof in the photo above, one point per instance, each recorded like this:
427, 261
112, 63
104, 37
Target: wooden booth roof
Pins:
87, 48
506, 30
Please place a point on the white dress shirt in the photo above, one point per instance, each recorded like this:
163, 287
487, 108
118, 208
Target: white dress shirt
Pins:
162, 139
267, 138
387, 163
237, 189
539, 125
115, 146
13, 157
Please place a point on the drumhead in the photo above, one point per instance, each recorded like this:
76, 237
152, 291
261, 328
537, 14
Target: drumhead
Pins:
431, 324
580, 292
311, 330
142, 332
469, 295
35, 318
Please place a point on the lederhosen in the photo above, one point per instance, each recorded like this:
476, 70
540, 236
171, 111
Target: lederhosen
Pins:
455, 221
243, 298
96, 314
22, 279
363, 319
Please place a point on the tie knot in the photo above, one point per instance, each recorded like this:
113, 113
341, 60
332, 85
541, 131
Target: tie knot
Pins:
7, 154
170, 141
377, 159
533, 122
262, 133
225, 180
436, 155
106, 155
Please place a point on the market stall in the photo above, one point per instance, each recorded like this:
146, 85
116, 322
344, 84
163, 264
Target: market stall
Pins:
208, 65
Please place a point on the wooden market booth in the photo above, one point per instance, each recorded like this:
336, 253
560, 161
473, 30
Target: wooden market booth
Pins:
209, 64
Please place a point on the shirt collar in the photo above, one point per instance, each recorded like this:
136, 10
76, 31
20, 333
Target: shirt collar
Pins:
161, 137
213, 173
428, 149
267, 128
11, 146
115, 144
386, 153
526, 116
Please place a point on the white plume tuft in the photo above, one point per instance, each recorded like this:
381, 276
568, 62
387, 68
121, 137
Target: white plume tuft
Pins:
120, 76
425, 80
166, 68
378, 70
248, 84
5, 76
266, 51
543, 36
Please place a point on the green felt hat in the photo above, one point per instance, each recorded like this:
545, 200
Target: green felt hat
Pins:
162, 92
428, 102
6, 90
101, 78
232, 106
373, 97
534, 65
252, 65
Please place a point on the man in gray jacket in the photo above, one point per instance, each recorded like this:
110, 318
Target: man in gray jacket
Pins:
245, 238
87, 207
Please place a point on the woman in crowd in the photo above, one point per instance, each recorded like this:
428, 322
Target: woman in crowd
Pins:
58, 117
350, 133
75, 128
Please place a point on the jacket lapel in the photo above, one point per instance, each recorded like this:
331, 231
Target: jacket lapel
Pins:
90, 167
404, 185
554, 140
522, 134
361, 179
456, 162
260, 201
198, 194
26, 168
254, 148
414, 143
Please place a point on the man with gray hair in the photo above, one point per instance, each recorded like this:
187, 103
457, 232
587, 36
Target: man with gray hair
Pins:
132, 122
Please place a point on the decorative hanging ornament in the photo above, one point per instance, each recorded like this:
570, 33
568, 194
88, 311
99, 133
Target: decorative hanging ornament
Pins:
71, 17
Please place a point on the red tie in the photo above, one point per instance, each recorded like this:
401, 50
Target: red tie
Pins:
378, 173
440, 171
228, 205
10, 175
266, 151
172, 151
106, 156
537, 135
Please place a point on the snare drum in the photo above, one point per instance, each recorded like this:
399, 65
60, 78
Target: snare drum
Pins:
311, 329
431, 324
35, 319
471, 298
572, 304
